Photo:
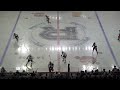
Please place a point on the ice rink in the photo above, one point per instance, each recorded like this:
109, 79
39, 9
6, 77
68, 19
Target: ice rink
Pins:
73, 32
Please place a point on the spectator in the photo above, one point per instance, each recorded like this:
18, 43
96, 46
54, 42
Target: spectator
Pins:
114, 69
83, 75
3, 70
17, 73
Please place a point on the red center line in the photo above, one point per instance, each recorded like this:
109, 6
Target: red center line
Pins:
58, 41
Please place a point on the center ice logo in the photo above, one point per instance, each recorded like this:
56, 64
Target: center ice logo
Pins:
69, 34
50, 33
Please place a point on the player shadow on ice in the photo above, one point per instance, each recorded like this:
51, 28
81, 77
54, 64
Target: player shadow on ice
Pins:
16, 46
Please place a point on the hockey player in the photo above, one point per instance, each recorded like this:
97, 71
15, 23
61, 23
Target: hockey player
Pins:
51, 66
69, 66
94, 47
64, 56
30, 59
47, 19
16, 37
119, 35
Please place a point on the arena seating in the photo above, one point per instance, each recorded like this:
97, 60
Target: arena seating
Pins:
114, 74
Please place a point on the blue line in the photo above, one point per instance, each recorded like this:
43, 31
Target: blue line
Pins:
106, 40
8, 43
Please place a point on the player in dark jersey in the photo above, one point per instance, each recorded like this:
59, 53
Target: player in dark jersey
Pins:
94, 47
119, 35
16, 37
64, 56
51, 66
30, 59
47, 19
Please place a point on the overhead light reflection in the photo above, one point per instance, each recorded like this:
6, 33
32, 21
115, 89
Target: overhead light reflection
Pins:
52, 48
18, 68
66, 48
69, 48
75, 48
86, 48
23, 49
63, 48
24, 68
55, 48
112, 66
88, 67
59, 48
83, 67
89, 48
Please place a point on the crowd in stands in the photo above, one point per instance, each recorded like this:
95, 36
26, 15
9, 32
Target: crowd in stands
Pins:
113, 74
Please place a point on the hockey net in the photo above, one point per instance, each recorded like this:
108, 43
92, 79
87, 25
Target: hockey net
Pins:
76, 14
